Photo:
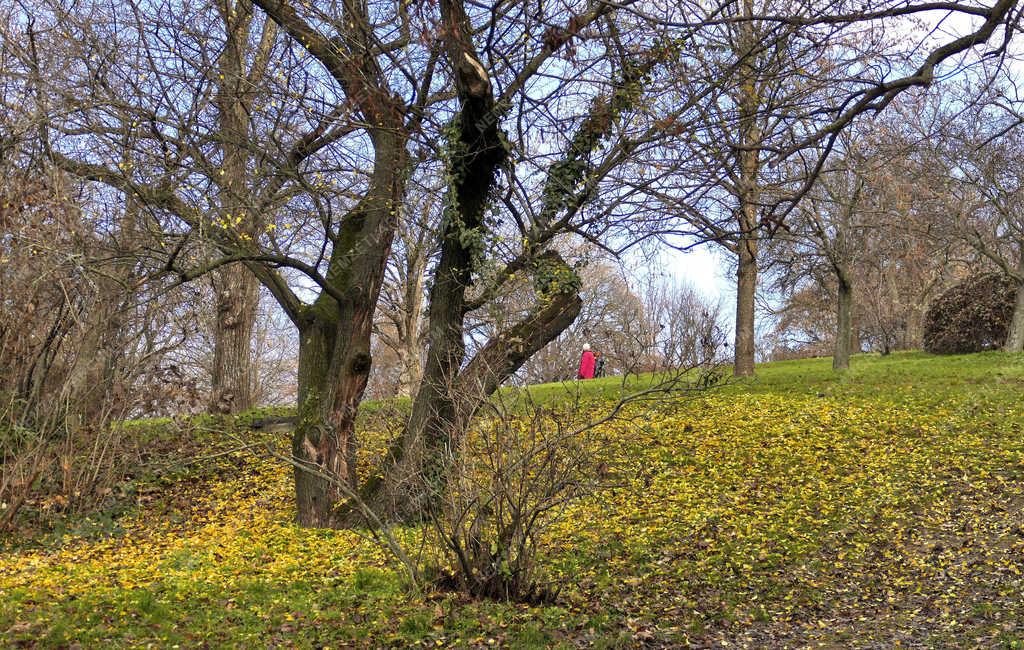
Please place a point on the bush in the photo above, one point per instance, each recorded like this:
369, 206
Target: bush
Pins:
971, 317
513, 479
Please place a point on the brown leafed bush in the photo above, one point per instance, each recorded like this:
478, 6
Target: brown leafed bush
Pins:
972, 316
86, 340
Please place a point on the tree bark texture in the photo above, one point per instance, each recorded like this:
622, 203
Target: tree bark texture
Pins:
748, 157
1015, 333
844, 324
233, 378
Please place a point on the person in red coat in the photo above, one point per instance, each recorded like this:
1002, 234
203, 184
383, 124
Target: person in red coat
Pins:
586, 364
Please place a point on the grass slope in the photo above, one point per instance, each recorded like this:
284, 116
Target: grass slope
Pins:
880, 508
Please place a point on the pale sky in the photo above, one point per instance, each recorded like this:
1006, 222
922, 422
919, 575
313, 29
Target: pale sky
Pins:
704, 268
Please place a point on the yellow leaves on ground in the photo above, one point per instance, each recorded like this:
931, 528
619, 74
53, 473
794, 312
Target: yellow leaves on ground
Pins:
752, 509
861, 515
236, 529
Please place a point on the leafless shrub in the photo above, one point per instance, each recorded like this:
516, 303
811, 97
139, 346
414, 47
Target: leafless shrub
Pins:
81, 346
510, 479
514, 477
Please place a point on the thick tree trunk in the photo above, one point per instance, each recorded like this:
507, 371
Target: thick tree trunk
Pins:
233, 378
313, 443
334, 346
445, 404
746, 291
844, 325
748, 158
334, 366
332, 377
1015, 334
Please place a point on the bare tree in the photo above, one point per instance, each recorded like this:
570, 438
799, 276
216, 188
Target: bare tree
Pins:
797, 81
289, 150
981, 156
773, 72
83, 341
400, 321
265, 155
830, 227
863, 242
686, 327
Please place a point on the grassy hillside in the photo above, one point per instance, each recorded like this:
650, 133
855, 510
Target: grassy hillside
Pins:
880, 508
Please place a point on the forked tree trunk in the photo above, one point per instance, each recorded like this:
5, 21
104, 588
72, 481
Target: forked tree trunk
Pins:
1015, 333
445, 404
477, 151
844, 324
401, 490
233, 378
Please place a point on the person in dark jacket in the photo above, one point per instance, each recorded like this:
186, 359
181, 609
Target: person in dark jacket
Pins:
598, 364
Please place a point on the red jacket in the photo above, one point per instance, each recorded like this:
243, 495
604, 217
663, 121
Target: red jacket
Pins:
586, 366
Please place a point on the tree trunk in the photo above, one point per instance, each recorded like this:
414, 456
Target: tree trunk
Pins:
334, 366
322, 466
1015, 334
844, 324
233, 379
748, 158
446, 402
411, 368
410, 353
313, 443
746, 290
334, 348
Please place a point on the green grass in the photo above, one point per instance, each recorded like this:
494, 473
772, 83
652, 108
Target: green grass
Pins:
879, 507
